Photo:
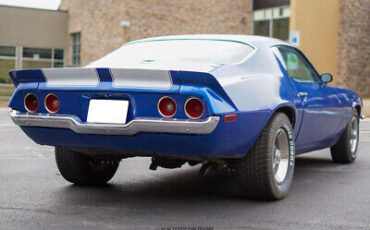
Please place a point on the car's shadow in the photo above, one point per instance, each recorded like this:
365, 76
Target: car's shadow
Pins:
181, 187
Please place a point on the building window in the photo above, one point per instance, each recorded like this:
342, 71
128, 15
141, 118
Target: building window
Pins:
58, 58
35, 58
272, 22
76, 47
7, 62
30, 58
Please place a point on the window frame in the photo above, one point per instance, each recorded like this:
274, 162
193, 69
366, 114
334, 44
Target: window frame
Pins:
269, 16
305, 59
52, 59
9, 57
74, 54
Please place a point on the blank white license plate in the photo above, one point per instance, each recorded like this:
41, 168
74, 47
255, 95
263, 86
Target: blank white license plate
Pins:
107, 111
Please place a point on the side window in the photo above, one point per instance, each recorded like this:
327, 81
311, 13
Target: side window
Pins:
297, 66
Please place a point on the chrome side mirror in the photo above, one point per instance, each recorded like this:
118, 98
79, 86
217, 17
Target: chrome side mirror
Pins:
326, 78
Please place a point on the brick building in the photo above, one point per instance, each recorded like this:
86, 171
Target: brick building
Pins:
353, 66
105, 25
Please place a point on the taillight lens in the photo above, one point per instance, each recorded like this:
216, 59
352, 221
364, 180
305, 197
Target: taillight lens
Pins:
194, 108
167, 107
52, 103
31, 103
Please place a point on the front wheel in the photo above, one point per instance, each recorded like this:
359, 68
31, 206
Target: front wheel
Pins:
267, 169
345, 150
84, 170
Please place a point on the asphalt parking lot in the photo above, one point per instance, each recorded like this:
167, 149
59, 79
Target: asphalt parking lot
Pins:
33, 195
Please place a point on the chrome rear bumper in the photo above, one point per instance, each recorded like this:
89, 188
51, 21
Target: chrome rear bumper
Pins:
151, 125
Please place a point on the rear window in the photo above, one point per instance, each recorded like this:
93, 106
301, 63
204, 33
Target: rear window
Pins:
215, 51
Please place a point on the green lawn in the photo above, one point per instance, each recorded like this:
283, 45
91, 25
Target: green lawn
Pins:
5, 94
6, 90
5, 67
28, 64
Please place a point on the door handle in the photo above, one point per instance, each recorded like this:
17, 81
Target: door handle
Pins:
302, 94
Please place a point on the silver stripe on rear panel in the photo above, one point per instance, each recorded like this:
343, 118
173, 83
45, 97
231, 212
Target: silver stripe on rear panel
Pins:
141, 78
71, 77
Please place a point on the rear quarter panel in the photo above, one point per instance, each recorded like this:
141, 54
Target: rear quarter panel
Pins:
260, 84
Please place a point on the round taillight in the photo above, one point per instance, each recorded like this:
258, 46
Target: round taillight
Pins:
52, 103
194, 108
31, 103
167, 107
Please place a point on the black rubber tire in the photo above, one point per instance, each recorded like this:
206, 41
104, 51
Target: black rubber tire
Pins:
341, 151
255, 171
81, 169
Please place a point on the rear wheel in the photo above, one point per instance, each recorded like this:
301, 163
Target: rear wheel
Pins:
345, 150
267, 169
85, 170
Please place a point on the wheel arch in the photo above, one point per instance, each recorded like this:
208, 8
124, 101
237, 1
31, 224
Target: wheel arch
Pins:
357, 104
358, 109
288, 110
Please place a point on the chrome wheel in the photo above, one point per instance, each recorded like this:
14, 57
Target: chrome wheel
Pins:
280, 157
266, 171
354, 136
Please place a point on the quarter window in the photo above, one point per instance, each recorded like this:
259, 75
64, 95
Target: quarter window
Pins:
297, 66
76, 47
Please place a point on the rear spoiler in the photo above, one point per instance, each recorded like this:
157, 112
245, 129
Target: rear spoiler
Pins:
26, 76
91, 77
183, 82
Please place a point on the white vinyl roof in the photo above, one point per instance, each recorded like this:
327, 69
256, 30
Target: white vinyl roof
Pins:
211, 51
257, 41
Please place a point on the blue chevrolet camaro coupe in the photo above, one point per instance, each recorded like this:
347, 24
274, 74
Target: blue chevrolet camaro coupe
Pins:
248, 104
